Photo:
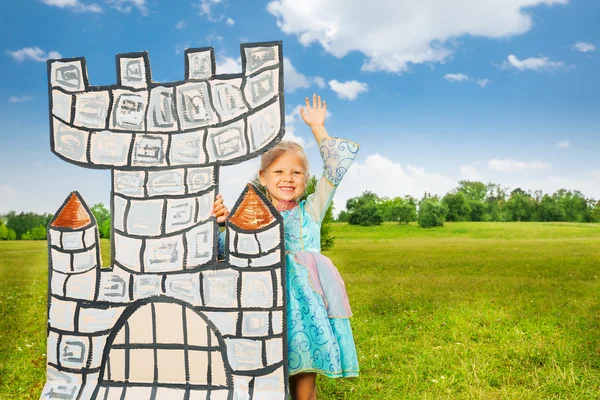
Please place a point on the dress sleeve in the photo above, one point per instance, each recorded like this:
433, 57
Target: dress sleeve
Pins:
337, 154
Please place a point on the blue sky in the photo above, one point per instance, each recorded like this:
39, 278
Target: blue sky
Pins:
434, 91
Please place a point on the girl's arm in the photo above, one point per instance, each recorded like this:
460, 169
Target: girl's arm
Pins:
337, 154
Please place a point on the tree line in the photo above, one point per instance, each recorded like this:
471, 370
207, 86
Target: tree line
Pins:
32, 226
472, 201
469, 201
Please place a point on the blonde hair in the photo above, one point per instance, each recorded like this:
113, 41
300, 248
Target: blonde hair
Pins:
284, 146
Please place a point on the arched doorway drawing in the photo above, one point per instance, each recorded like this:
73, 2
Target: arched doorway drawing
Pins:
163, 349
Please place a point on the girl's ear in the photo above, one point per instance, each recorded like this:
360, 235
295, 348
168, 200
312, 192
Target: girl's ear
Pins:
261, 177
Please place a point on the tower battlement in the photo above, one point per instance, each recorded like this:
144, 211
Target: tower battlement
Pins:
205, 119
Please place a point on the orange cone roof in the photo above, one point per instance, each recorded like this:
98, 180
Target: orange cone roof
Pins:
252, 213
72, 215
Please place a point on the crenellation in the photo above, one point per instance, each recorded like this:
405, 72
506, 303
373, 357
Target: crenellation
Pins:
69, 75
133, 70
199, 63
256, 58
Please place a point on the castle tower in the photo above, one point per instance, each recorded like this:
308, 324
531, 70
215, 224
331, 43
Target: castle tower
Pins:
167, 320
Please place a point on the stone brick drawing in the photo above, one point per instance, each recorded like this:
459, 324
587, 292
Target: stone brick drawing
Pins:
168, 319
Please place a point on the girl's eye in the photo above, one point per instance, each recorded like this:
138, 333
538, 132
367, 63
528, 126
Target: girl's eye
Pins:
297, 172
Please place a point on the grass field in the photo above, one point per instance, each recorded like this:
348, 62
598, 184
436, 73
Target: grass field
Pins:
467, 311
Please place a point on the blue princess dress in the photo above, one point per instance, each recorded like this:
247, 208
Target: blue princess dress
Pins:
319, 334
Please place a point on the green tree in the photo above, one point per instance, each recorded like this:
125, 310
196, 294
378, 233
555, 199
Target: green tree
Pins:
408, 210
38, 233
27, 236
477, 210
343, 216
457, 205
595, 213
549, 210
520, 205
473, 190
432, 212
6, 233
25, 222
574, 205
364, 209
366, 214
102, 215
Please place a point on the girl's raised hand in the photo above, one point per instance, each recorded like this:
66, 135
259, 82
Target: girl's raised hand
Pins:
314, 115
219, 210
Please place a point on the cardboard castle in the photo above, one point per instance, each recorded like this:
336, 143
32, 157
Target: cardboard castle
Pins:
167, 320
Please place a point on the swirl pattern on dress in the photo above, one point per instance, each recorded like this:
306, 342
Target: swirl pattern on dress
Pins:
337, 154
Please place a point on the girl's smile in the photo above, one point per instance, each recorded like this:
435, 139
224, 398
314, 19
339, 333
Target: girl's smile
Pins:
285, 178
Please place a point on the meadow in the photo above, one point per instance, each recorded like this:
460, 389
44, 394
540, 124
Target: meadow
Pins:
466, 311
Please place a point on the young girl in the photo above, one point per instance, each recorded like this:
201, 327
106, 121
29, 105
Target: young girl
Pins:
319, 334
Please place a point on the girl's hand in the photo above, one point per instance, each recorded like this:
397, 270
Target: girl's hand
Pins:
219, 210
314, 116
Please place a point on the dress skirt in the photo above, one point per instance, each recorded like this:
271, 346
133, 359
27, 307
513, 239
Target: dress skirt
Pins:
316, 342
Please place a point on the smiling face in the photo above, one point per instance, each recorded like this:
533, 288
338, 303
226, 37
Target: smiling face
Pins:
285, 177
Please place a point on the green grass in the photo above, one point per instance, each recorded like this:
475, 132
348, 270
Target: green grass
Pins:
466, 311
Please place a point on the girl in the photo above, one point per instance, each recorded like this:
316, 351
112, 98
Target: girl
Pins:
319, 334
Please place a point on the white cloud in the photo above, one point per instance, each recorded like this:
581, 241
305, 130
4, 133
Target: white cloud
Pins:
532, 63
584, 47
180, 24
125, 6
74, 5
509, 165
460, 77
206, 8
390, 179
229, 65
563, 145
320, 82
470, 172
293, 79
392, 35
34, 54
456, 77
483, 82
14, 99
348, 90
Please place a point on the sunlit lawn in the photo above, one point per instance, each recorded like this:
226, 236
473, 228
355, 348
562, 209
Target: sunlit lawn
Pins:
466, 311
